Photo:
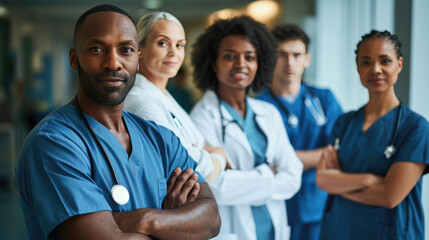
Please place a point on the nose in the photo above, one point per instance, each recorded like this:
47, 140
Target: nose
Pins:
289, 59
376, 68
240, 62
171, 51
112, 61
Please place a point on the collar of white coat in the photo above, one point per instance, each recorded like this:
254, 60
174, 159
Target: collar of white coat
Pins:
151, 89
211, 101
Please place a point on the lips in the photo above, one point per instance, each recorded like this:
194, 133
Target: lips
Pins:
239, 75
171, 64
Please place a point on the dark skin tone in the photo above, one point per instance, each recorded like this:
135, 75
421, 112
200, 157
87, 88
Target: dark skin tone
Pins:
106, 54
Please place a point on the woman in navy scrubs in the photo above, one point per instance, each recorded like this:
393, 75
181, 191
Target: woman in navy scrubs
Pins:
374, 170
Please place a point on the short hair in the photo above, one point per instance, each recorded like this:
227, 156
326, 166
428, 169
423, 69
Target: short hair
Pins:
145, 24
385, 35
287, 32
205, 51
96, 9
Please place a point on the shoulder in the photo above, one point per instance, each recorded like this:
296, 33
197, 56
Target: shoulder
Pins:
414, 121
322, 93
263, 108
265, 95
209, 102
143, 96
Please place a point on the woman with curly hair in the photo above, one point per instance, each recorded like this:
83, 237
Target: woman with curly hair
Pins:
374, 176
231, 58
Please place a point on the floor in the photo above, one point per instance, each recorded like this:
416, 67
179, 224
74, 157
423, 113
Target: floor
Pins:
12, 224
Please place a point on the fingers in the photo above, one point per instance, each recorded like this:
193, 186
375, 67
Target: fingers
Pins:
180, 188
192, 196
172, 180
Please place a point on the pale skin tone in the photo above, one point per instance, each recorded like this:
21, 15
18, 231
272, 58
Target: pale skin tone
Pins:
378, 67
293, 58
162, 55
106, 42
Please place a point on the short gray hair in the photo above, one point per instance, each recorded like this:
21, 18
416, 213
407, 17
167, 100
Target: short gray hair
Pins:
145, 24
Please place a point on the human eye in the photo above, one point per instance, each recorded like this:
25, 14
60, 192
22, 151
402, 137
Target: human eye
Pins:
364, 63
180, 45
127, 50
385, 61
297, 55
95, 50
250, 58
281, 54
228, 56
162, 43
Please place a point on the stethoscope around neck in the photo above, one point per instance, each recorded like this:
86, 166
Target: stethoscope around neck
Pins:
315, 108
222, 118
119, 193
390, 149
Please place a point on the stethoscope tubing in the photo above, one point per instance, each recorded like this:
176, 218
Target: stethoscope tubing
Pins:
315, 107
103, 151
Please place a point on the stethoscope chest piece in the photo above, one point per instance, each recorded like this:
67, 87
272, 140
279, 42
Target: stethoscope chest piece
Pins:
389, 151
120, 194
293, 121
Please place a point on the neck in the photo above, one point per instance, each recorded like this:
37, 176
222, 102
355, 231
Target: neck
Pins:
285, 88
160, 82
234, 97
108, 116
381, 103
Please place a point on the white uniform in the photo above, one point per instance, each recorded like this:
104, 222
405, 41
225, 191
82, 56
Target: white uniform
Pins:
151, 103
245, 186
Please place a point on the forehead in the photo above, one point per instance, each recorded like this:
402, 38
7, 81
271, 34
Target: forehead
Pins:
106, 26
291, 46
237, 43
167, 28
376, 46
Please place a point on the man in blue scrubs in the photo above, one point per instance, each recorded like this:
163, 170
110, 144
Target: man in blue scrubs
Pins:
309, 114
73, 157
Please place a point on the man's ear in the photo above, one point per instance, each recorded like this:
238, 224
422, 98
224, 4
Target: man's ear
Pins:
73, 58
307, 60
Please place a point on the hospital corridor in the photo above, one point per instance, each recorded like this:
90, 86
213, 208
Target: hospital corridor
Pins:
251, 119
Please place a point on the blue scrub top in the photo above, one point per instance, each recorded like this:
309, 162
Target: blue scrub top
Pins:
62, 173
363, 152
258, 143
307, 205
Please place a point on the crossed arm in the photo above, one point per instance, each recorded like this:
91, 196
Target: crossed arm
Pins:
368, 188
190, 212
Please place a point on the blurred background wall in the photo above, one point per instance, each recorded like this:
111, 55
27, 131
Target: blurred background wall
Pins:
36, 35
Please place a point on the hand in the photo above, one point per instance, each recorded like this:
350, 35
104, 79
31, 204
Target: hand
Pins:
329, 159
217, 150
273, 169
182, 187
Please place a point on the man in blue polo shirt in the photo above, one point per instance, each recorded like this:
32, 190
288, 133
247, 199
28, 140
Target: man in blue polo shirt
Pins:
89, 170
309, 114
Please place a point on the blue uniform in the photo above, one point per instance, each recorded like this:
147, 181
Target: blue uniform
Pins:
363, 152
305, 209
62, 173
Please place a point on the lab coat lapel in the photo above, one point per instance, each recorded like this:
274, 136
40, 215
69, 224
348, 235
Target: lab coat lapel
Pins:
262, 119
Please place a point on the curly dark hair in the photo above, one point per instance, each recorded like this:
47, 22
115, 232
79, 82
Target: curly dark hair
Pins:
385, 35
287, 32
205, 51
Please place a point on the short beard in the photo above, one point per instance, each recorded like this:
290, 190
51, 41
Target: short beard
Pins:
112, 96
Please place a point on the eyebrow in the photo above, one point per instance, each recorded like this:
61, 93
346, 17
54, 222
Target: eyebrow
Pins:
232, 50
381, 56
98, 41
164, 36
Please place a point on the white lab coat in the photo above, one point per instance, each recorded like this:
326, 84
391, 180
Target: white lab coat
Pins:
245, 186
151, 103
